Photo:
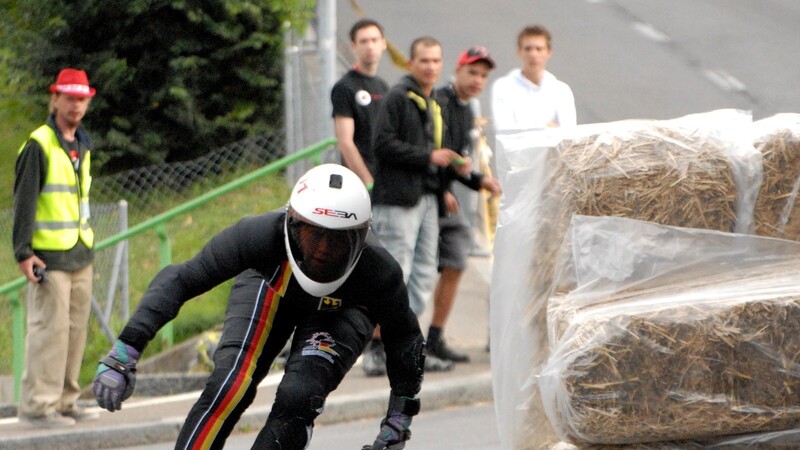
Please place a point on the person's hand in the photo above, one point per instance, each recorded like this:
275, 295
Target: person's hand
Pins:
443, 157
115, 378
395, 426
463, 166
26, 267
450, 202
394, 432
491, 185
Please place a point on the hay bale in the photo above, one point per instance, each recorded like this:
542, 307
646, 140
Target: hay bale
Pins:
658, 174
778, 140
713, 357
679, 173
643, 170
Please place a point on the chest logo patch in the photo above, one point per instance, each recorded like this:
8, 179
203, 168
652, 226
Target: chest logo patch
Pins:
329, 304
363, 98
321, 344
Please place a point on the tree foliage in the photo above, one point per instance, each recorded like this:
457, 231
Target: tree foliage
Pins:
174, 78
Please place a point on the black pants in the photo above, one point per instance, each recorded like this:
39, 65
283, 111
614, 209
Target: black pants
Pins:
258, 322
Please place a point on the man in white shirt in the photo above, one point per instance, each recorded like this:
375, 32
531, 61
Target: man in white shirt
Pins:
531, 97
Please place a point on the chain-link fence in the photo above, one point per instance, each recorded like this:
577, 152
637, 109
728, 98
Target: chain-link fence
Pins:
307, 114
146, 188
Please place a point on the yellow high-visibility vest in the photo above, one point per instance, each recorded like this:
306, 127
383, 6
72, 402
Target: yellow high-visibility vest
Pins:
62, 210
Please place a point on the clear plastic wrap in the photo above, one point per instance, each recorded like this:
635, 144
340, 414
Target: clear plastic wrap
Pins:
787, 439
517, 346
668, 334
777, 138
540, 170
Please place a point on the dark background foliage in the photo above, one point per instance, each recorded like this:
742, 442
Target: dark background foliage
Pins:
175, 78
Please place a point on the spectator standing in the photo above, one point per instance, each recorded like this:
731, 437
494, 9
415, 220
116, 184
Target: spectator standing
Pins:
356, 98
531, 97
312, 272
53, 244
407, 141
455, 237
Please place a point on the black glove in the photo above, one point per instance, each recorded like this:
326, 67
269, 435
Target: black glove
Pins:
115, 378
395, 426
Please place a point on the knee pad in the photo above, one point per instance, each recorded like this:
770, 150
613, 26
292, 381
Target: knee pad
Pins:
293, 431
294, 434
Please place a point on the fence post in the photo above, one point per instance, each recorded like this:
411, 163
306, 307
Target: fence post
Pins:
326, 49
290, 116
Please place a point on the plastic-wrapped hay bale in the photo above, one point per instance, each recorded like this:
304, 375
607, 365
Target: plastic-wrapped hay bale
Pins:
672, 334
540, 198
696, 171
770, 440
680, 173
778, 140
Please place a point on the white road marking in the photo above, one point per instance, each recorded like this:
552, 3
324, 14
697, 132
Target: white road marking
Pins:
650, 32
724, 80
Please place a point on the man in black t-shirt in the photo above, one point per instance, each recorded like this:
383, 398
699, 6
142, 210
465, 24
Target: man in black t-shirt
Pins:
356, 98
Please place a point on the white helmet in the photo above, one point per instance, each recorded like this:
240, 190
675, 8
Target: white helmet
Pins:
327, 221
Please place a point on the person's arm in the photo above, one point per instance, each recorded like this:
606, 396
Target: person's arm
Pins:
30, 173
565, 112
502, 107
389, 308
247, 244
472, 181
235, 249
345, 130
404, 346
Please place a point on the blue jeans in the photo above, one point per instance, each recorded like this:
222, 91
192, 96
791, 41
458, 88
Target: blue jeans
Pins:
411, 235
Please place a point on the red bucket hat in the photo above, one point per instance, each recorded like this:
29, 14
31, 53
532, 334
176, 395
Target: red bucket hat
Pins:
72, 82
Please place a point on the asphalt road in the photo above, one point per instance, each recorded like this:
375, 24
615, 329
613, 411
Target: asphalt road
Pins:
624, 59
470, 428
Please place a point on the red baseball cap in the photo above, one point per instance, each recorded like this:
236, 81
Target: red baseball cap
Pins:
475, 54
72, 82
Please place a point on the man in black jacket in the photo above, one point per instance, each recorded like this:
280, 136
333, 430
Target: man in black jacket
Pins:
455, 237
407, 141
311, 270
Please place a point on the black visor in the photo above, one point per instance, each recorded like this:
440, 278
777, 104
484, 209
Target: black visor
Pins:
322, 254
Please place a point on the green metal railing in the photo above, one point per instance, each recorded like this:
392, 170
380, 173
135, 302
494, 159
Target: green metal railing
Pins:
158, 222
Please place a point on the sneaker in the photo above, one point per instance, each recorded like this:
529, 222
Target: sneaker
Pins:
52, 420
440, 350
374, 362
81, 414
434, 364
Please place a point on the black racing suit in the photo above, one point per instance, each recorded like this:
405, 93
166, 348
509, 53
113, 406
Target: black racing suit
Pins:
265, 306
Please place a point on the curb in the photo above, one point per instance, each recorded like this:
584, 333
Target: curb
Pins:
466, 390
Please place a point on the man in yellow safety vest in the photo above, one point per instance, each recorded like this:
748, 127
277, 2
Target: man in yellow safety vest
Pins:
53, 244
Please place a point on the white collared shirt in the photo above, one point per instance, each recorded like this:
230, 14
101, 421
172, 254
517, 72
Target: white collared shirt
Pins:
519, 104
